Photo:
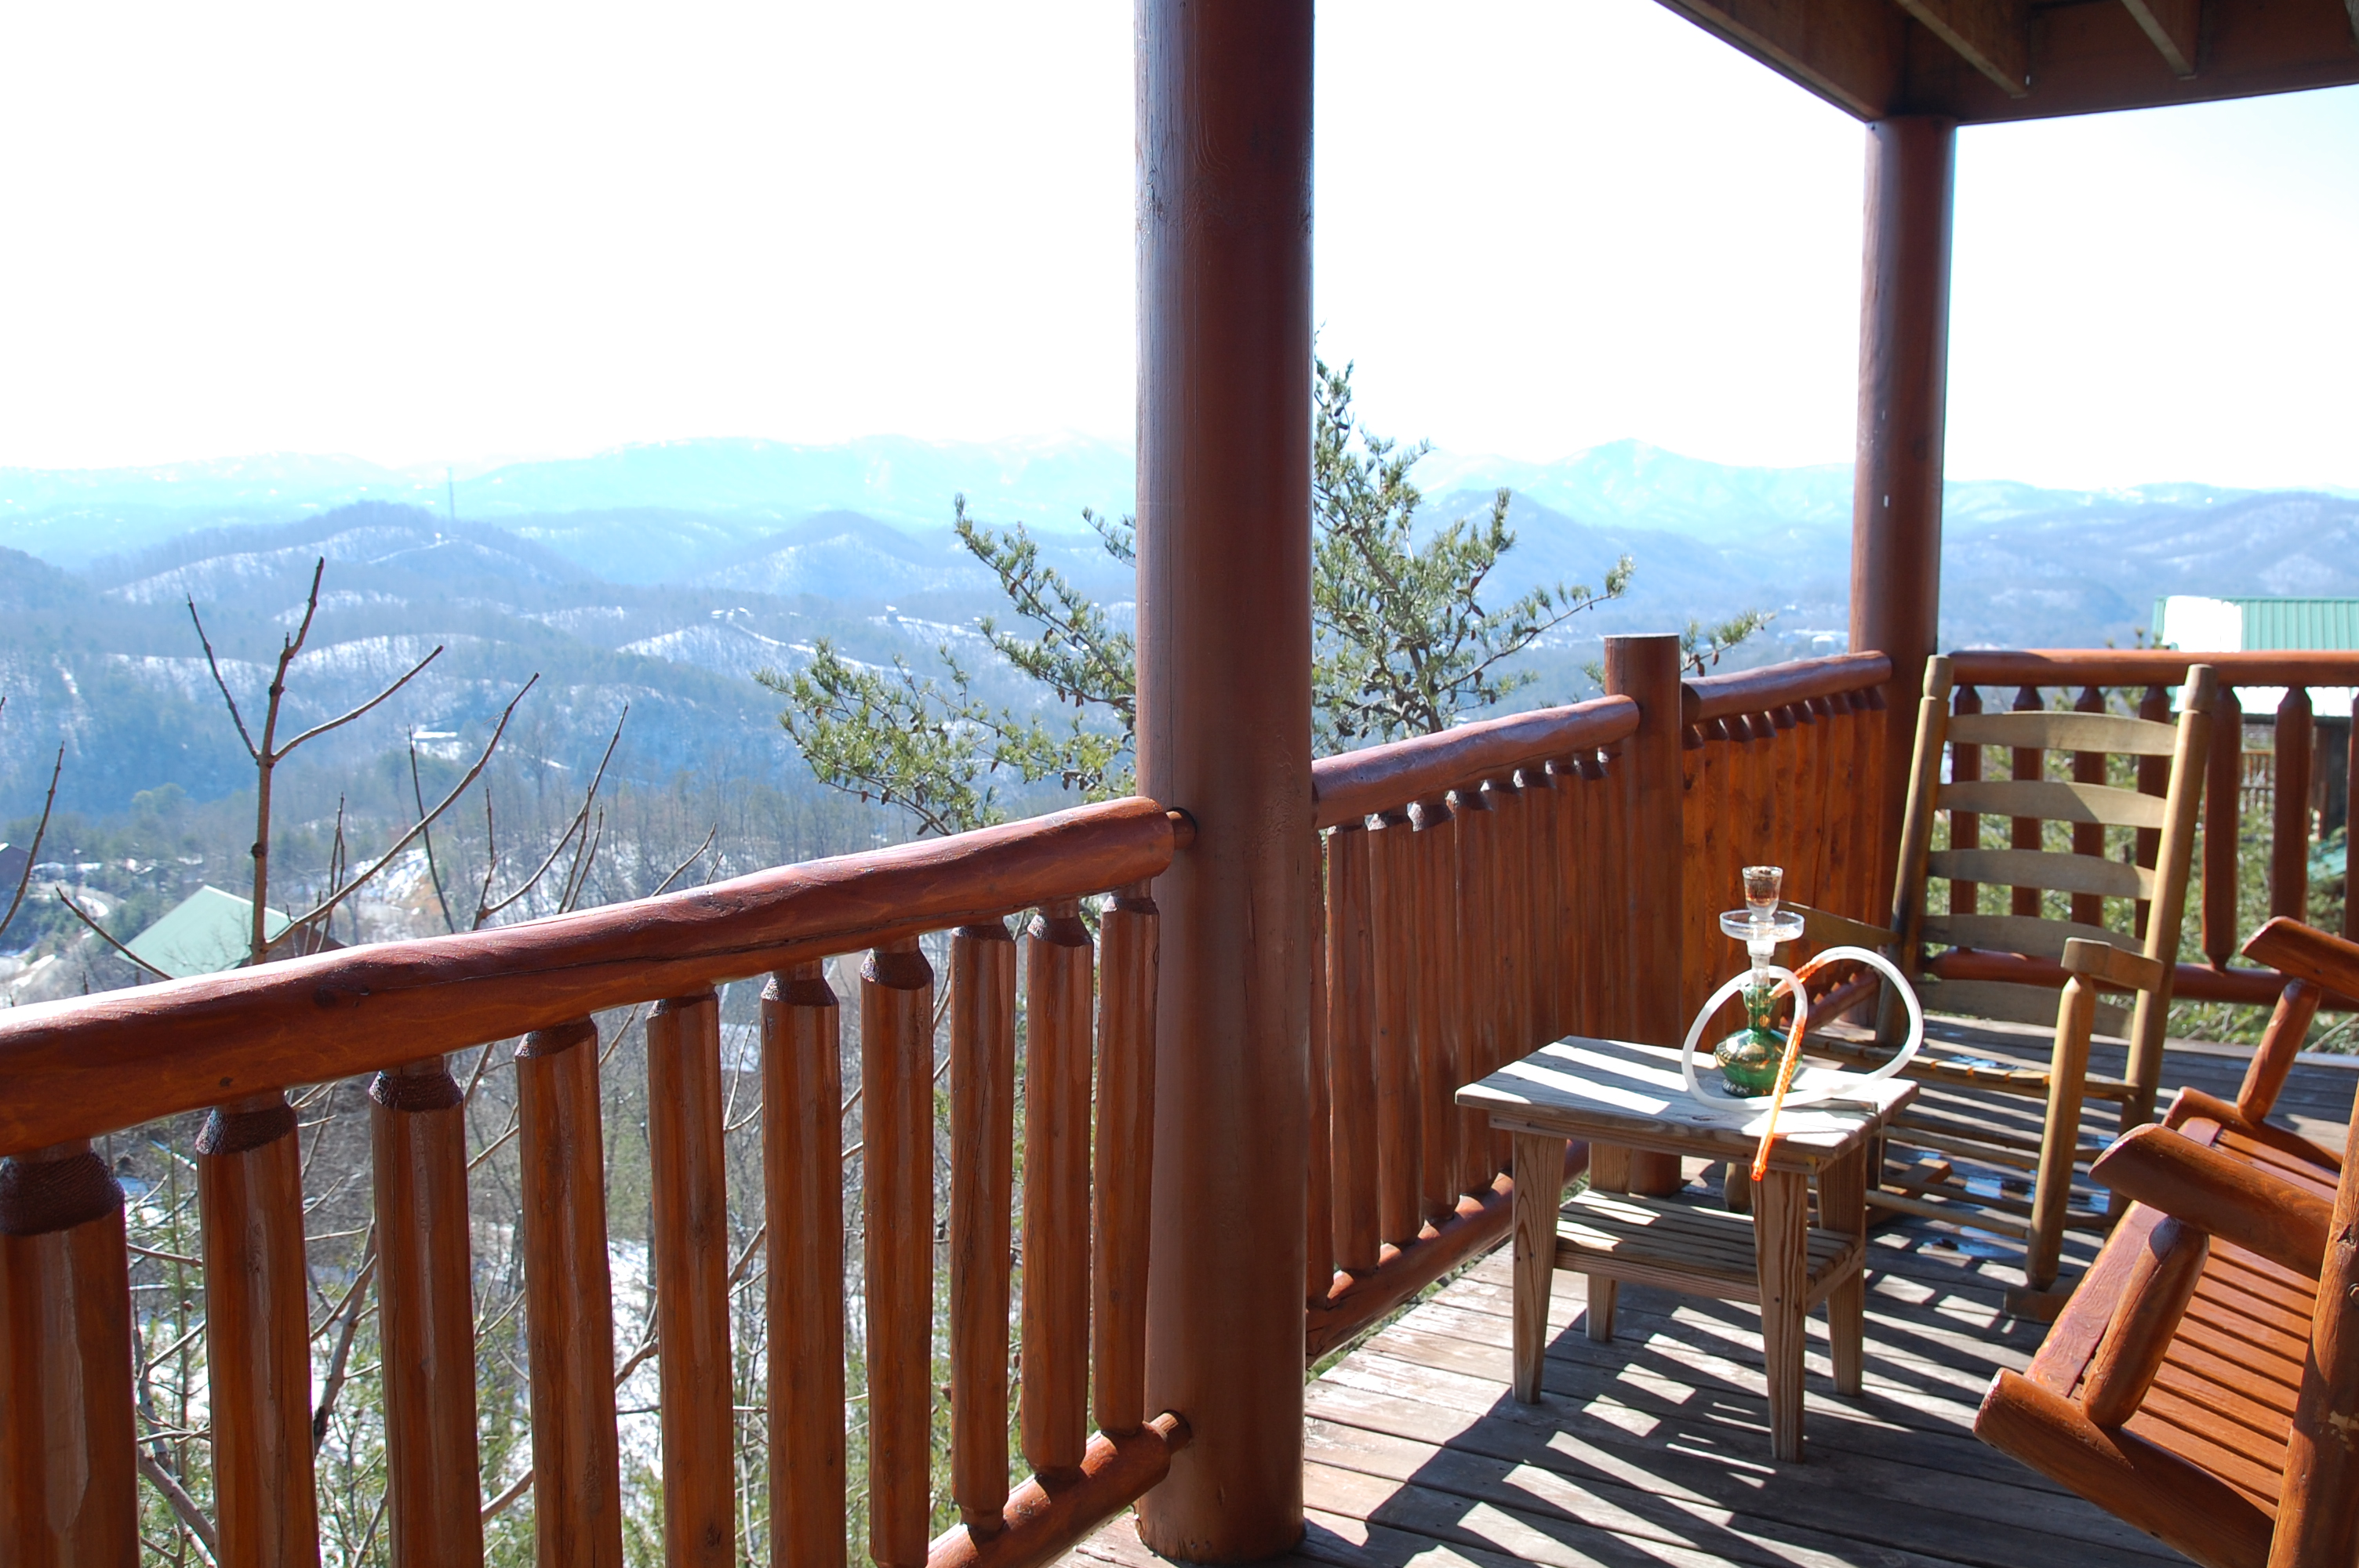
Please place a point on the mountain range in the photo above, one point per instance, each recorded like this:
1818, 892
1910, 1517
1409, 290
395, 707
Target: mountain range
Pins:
665, 575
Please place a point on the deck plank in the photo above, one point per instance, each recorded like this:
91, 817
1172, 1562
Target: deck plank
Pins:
1654, 1449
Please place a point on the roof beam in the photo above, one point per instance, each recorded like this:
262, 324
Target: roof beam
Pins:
2090, 59
1849, 53
1992, 36
2171, 25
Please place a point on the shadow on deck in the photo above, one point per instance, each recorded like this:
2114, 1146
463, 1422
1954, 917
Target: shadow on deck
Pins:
1655, 1449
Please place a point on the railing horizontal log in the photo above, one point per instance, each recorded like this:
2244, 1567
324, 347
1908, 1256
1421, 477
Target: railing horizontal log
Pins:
89, 1065
2148, 667
1355, 784
1773, 687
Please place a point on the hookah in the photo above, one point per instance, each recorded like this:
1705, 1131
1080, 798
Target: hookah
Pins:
1754, 1063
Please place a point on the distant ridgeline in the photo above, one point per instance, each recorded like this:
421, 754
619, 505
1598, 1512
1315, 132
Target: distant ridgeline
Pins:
665, 575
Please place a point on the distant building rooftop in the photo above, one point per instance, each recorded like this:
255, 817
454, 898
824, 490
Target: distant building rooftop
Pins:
205, 934
2195, 624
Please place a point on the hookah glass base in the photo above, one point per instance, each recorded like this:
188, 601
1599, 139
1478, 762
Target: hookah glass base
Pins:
1749, 1059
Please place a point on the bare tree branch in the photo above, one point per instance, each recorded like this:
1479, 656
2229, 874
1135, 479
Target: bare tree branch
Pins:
433, 870
40, 833
214, 664
714, 833
491, 865
182, 1505
352, 1310
103, 935
580, 821
343, 719
379, 864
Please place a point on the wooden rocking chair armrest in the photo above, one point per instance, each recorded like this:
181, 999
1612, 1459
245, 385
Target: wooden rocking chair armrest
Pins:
2168, 1498
2117, 969
2219, 1195
2193, 1104
1822, 928
2288, 946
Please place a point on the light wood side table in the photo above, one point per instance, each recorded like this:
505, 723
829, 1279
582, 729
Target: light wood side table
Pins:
1621, 1095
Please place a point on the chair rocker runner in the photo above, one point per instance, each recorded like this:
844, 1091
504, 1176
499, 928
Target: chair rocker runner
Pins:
2203, 1384
1977, 1159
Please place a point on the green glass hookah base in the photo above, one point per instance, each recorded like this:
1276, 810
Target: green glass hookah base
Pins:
1749, 1060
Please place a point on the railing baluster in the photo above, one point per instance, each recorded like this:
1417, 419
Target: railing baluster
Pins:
803, 1171
433, 1493
1701, 834
688, 1183
1875, 770
1128, 946
1474, 824
1822, 799
1392, 865
1782, 841
68, 1491
1351, 1054
2023, 833
1830, 796
1546, 946
1563, 881
568, 1308
1616, 952
1438, 1067
896, 1132
2154, 779
2223, 813
1318, 1207
2089, 838
983, 1186
1965, 827
1589, 884
1058, 995
258, 1333
1511, 857
2350, 828
2289, 827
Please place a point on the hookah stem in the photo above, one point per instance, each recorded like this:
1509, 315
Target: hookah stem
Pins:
1786, 1067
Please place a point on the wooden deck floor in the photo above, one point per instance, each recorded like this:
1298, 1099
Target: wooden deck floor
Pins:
1655, 1449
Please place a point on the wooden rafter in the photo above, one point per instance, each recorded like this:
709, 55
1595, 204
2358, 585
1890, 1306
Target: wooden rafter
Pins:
2172, 24
1992, 36
1978, 61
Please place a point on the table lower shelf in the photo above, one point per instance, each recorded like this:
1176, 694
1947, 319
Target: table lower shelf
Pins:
1682, 1247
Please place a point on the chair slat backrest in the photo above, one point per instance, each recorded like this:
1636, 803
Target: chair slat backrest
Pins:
1961, 794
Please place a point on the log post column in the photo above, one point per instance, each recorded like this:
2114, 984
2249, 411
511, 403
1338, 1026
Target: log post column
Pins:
1904, 370
1224, 204
1652, 900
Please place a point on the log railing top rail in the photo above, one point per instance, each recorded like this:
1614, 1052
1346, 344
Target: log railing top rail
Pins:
1773, 687
2149, 666
1351, 786
85, 1065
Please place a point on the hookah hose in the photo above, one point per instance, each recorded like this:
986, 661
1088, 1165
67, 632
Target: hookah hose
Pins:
1786, 1067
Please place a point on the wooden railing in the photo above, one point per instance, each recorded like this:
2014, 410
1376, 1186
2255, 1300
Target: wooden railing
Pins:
2026, 678
1468, 879
1782, 767
72, 1070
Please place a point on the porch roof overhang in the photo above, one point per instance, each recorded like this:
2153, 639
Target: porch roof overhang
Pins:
1979, 62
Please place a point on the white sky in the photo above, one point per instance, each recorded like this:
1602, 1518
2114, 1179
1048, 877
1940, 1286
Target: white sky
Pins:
449, 232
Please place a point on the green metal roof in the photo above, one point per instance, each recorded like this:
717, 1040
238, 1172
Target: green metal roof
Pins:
205, 932
2282, 625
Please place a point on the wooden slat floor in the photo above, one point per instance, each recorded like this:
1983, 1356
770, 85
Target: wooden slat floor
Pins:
1655, 1449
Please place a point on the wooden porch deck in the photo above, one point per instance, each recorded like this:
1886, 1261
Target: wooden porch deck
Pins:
1655, 1449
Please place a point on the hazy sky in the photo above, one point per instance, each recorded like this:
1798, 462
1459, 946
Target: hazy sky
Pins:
462, 232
